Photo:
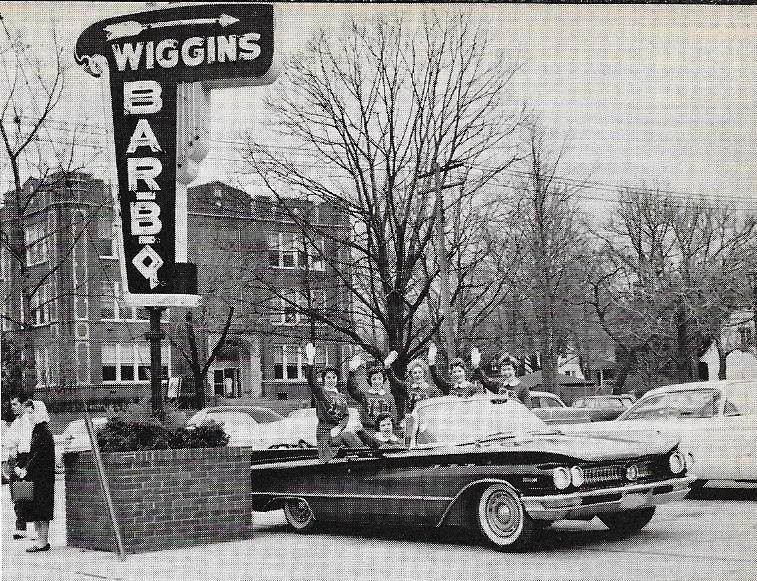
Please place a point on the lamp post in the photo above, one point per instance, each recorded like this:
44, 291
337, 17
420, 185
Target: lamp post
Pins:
752, 274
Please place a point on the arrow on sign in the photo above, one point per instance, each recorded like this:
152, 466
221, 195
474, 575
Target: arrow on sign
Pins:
133, 28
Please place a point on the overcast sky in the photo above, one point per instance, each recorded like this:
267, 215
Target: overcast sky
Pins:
655, 94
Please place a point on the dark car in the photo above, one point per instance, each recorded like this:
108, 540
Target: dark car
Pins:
484, 462
602, 408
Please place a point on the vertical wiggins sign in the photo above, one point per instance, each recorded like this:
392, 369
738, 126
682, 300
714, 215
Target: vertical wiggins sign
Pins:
159, 67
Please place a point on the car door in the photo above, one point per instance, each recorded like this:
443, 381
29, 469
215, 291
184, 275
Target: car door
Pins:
724, 446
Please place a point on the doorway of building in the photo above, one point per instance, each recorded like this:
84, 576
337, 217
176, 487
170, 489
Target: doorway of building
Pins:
226, 382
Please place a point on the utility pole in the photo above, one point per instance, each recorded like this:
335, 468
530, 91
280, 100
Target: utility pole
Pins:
441, 252
752, 274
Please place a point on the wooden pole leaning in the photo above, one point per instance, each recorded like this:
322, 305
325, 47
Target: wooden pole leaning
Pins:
103, 478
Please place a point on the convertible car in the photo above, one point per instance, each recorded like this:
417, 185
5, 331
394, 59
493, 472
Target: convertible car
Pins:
484, 462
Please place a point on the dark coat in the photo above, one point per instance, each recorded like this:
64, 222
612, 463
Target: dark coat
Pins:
499, 386
41, 470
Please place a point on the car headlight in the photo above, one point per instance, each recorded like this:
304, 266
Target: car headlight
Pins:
577, 476
561, 478
632, 472
677, 462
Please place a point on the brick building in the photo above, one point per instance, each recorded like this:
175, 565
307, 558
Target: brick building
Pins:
90, 346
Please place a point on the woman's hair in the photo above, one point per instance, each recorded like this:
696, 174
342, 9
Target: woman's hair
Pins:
380, 418
416, 363
374, 368
507, 360
457, 362
322, 373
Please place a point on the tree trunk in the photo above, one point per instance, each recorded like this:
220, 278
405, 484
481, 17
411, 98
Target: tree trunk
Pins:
198, 375
22, 328
722, 355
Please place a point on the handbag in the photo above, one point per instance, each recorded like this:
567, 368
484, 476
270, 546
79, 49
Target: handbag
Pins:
22, 490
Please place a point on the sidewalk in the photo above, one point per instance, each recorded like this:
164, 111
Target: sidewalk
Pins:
223, 561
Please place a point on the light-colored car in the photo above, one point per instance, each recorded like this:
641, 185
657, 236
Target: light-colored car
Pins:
74, 439
550, 408
262, 428
716, 422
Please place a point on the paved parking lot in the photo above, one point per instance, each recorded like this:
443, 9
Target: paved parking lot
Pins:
711, 536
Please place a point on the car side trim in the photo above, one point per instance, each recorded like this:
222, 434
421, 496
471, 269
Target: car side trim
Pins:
470, 485
278, 495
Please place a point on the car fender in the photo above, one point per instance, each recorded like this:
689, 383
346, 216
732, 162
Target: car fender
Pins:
455, 511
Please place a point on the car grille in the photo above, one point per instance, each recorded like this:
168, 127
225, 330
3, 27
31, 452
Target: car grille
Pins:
615, 474
603, 475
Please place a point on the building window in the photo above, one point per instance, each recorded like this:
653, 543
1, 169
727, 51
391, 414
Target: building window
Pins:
42, 356
82, 362
36, 244
42, 304
108, 303
288, 308
106, 231
290, 250
130, 362
289, 362
291, 308
113, 307
5, 264
747, 337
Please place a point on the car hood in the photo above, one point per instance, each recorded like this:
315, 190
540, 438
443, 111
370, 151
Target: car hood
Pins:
589, 448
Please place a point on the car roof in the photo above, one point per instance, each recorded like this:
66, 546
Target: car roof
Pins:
543, 394
95, 420
725, 385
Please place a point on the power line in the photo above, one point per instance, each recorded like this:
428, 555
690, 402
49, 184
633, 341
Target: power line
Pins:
583, 183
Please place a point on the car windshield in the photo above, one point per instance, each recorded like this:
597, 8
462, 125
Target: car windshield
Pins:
454, 420
695, 403
264, 416
742, 399
609, 403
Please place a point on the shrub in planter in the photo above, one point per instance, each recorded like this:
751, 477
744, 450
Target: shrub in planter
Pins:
137, 429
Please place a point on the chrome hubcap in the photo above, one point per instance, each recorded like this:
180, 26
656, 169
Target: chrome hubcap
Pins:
502, 514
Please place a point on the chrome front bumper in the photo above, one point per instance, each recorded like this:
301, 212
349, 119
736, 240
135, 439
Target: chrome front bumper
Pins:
584, 505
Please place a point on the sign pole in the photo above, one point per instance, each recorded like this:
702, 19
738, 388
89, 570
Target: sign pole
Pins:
156, 366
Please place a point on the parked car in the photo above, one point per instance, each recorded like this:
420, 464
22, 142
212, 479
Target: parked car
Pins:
263, 428
552, 410
482, 462
309, 422
602, 408
74, 439
716, 422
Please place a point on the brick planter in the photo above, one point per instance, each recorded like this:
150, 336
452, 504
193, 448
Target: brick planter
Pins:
163, 498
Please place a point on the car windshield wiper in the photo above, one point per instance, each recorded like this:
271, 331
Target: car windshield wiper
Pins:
490, 438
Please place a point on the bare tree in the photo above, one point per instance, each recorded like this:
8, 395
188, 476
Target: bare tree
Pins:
554, 248
671, 275
373, 110
226, 310
40, 161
